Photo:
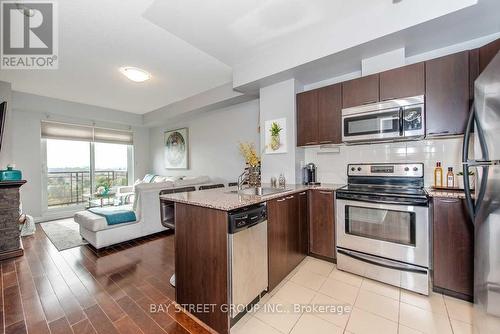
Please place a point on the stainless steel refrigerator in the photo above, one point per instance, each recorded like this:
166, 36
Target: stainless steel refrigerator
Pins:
484, 204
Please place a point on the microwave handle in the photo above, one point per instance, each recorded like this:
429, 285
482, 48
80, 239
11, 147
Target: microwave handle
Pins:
401, 122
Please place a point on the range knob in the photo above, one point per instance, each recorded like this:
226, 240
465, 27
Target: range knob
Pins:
407, 169
359, 169
415, 169
353, 169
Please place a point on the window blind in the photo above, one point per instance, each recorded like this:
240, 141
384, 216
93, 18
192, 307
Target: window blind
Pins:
55, 130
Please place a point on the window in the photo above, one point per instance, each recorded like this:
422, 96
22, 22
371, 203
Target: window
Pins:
81, 159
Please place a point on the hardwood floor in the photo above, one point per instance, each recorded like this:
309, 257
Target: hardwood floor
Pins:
80, 290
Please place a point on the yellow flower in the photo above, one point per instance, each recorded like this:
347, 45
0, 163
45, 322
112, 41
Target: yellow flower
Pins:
248, 152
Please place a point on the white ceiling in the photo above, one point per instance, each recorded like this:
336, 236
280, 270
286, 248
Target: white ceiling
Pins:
97, 37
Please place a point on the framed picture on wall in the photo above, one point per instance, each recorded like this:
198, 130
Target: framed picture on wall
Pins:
176, 149
275, 138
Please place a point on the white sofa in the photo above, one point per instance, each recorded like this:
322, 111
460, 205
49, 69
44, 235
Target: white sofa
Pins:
146, 206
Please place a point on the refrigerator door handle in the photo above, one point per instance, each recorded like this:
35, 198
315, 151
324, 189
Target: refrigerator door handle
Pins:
465, 159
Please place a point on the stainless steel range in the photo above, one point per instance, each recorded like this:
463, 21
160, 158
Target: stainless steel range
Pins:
383, 224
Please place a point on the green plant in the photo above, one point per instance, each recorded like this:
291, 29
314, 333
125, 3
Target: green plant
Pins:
275, 129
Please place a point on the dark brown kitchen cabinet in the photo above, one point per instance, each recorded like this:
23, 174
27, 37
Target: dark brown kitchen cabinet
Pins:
360, 91
321, 223
453, 248
330, 114
402, 82
447, 94
307, 118
303, 223
284, 237
487, 53
319, 116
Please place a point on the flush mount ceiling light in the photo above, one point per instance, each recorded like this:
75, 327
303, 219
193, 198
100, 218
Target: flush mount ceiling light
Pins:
135, 74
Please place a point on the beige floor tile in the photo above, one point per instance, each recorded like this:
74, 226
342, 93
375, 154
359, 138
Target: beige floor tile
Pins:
339, 316
278, 287
460, 327
423, 320
308, 324
278, 314
362, 322
308, 279
346, 277
434, 302
381, 288
317, 266
255, 326
380, 305
459, 309
293, 293
339, 290
241, 322
407, 330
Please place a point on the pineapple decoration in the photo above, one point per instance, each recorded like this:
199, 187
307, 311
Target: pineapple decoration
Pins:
275, 136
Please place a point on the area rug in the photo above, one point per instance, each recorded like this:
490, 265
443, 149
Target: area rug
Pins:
63, 233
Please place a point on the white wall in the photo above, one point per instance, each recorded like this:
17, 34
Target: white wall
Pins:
26, 148
278, 101
213, 141
332, 167
6, 152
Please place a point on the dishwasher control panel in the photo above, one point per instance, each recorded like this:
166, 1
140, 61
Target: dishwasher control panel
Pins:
244, 218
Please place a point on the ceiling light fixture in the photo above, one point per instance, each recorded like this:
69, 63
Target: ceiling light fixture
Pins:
135, 74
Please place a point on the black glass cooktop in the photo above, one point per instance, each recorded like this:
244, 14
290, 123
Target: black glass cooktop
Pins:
383, 190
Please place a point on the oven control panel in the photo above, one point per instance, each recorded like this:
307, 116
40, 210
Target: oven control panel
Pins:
390, 170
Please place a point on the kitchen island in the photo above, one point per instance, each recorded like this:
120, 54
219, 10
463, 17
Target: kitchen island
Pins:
201, 243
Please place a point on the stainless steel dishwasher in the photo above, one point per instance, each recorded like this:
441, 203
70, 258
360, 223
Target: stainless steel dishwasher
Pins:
247, 246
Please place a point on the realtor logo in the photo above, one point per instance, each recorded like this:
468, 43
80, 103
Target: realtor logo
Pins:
28, 35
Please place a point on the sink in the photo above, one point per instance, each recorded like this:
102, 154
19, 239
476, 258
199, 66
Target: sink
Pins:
258, 191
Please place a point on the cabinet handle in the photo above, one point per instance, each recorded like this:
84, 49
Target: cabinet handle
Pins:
326, 142
388, 99
449, 200
368, 102
438, 133
289, 197
303, 193
325, 192
311, 142
281, 200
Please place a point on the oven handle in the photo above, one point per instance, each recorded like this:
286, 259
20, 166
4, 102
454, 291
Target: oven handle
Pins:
421, 202
401, 122
383, 263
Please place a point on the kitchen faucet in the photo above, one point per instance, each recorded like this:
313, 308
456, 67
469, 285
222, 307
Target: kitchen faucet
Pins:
242, 179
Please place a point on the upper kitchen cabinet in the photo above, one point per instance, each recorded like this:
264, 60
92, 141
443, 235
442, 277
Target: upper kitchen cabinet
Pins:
360, 91
330, 114
307, 118
447, 94
487, 53
402, 82
319, 116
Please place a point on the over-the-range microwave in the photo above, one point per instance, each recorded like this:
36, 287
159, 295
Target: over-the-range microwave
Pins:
394, 120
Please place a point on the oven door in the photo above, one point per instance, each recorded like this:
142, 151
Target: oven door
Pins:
391, 231
372, 125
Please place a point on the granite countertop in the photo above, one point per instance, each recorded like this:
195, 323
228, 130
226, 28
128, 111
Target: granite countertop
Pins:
445, 193
224, 199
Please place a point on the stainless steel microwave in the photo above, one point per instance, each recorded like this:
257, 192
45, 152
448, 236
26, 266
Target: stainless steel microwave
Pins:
394, 120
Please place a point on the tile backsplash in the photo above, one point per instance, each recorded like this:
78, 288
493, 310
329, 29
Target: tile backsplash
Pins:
332, 167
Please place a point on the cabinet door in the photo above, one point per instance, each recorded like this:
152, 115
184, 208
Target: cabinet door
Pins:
330, 114
321, 223
487, 53
453, 251
294, 255
447, 94
277, 218
402, 82
307, 118
303, 223
360, 91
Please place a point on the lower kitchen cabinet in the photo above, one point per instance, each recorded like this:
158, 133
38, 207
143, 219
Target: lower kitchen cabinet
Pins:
285, 228
453, 248
321, 224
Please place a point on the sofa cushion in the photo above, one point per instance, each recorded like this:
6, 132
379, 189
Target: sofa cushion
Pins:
191, 180
93, 222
